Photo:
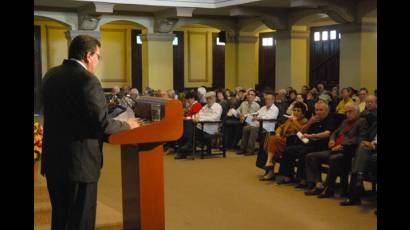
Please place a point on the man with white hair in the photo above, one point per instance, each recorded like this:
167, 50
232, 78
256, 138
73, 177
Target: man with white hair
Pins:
342, 140
212, 111
317, 132
172, 94
201, 95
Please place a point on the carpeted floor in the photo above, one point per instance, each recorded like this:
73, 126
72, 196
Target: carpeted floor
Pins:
225, 194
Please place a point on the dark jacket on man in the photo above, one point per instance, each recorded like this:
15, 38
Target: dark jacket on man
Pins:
76, 122
353, 136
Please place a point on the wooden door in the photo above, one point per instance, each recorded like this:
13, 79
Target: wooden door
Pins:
136, 57
267, 60
178, 53
324, 56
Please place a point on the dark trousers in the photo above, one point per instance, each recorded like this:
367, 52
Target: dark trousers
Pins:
233, 131
204, 138
361, 159
288, 160
73, 205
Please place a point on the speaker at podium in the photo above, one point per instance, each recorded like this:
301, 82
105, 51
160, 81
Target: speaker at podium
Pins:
142, 165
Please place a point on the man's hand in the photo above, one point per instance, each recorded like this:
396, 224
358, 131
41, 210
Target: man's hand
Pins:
368, 145
241, 118
313, 119
337, 148
331, 144
308, 136
255, 118
134, 122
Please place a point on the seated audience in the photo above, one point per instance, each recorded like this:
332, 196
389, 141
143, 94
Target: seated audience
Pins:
321, 89
275, 144
305, 91
163, 93
362, 99
171, 94
310, 101
223, 101
282, 104
370, 112
334, 99
366, 151
210, 112
317, 130
251, 130
201, 95
247, 107
346, 98
343, 139
299, 98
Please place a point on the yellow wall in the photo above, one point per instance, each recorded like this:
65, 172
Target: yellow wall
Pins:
54, 44
115, 65
197, 55
157, 64
369, 61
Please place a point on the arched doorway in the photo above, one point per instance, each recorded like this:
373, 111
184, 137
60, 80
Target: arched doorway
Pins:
199, 57
121, 50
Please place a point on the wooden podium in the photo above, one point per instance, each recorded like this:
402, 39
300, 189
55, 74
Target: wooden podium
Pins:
142, 162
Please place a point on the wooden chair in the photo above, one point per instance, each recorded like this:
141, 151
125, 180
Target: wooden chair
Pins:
217, 138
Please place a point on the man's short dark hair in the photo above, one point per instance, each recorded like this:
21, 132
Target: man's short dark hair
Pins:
269, 92
81, 45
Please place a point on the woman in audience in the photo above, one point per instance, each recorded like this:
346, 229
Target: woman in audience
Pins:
299, 98
192, 104
305, 91
292, 96
362, 99
311, 99
346, 98
275, 144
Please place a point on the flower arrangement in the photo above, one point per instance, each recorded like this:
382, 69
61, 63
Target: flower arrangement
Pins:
38, 141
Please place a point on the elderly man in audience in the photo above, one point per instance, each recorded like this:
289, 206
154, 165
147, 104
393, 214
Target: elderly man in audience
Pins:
171, 94
201, 95
212, 111
275, 144
370, 112
163, 94
344, 139
366, 152
250, 132
315, 135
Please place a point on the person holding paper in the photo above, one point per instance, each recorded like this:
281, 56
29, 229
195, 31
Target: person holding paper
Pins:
236, 118
76, 121
251, 131
317, 130
275, 144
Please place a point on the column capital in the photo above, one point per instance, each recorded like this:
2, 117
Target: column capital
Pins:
358, 27
157, 37
244, 39
74, 33
286, 34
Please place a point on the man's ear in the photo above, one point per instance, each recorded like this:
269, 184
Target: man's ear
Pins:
87, 57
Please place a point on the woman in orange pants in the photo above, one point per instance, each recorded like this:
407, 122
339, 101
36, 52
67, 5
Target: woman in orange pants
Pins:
275, 144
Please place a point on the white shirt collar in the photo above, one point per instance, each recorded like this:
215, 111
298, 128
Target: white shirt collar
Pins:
79, 62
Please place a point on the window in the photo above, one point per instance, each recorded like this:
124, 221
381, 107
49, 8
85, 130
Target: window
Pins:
325, 35
340, 35
267, 41
218, 43
139, 39
175, 41
332, 34
316, 36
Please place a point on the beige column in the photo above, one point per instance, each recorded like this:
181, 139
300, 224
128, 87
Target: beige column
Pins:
247, 61
157, 60
292, 60
358, 55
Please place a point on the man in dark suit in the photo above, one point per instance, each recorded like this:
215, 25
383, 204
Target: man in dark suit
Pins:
76, 122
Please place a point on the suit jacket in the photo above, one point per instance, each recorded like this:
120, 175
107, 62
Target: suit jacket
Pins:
354, 135
75, 122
